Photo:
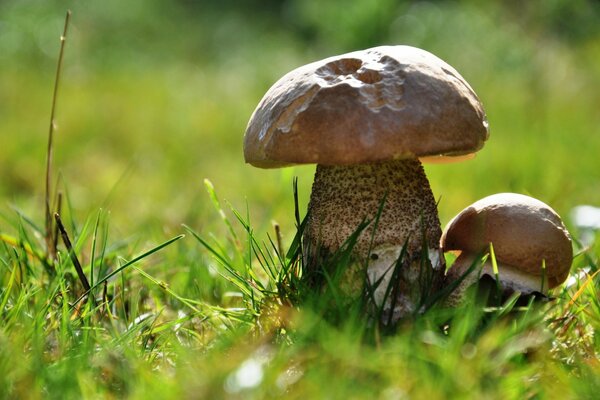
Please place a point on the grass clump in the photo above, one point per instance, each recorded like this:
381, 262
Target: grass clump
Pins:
259, 330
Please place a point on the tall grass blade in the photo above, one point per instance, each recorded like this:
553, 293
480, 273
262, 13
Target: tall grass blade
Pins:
72, 255
49, 224
217, 205
495, 270
580, 291
93, 251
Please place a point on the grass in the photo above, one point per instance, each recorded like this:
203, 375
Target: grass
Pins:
249, 334
222, 312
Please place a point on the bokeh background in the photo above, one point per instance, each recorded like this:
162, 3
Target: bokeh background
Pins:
155, 96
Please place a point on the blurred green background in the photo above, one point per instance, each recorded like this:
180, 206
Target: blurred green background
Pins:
155, 97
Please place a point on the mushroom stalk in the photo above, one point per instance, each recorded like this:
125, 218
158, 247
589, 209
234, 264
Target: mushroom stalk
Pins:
344, 196
356, 115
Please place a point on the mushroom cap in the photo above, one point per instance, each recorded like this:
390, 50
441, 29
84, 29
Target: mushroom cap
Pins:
388, 102
523, 231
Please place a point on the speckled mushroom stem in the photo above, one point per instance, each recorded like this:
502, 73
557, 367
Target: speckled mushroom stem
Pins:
343, 196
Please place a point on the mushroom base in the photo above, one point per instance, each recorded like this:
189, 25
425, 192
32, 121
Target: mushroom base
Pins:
398, 249
511, 279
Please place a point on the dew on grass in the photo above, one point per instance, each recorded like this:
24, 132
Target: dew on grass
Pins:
288, 377
468, 351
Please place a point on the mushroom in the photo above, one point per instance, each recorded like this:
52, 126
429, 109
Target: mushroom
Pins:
531, 245
366, 118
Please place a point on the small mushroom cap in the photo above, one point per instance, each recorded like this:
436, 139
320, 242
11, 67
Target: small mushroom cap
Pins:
523, 231
389, 102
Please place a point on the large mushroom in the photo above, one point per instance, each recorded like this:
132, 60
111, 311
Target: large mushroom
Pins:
531, 245
366, 118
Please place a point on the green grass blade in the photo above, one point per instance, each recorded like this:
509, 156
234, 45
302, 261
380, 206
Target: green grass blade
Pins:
217, 205
127, 264
93, 251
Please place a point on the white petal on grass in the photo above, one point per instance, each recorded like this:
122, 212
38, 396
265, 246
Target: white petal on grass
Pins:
250, 373
233, 294
140, 319
577, 278
180, 315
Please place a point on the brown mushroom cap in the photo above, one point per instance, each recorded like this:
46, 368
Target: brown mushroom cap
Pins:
389, 102
524, 233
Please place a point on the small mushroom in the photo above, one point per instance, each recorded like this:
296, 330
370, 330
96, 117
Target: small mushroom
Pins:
366, 119
531, 245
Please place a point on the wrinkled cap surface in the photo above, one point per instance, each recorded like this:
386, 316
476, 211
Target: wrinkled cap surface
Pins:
389, 102
524, 233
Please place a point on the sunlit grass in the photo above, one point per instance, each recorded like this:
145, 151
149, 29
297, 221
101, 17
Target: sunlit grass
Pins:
148, 334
